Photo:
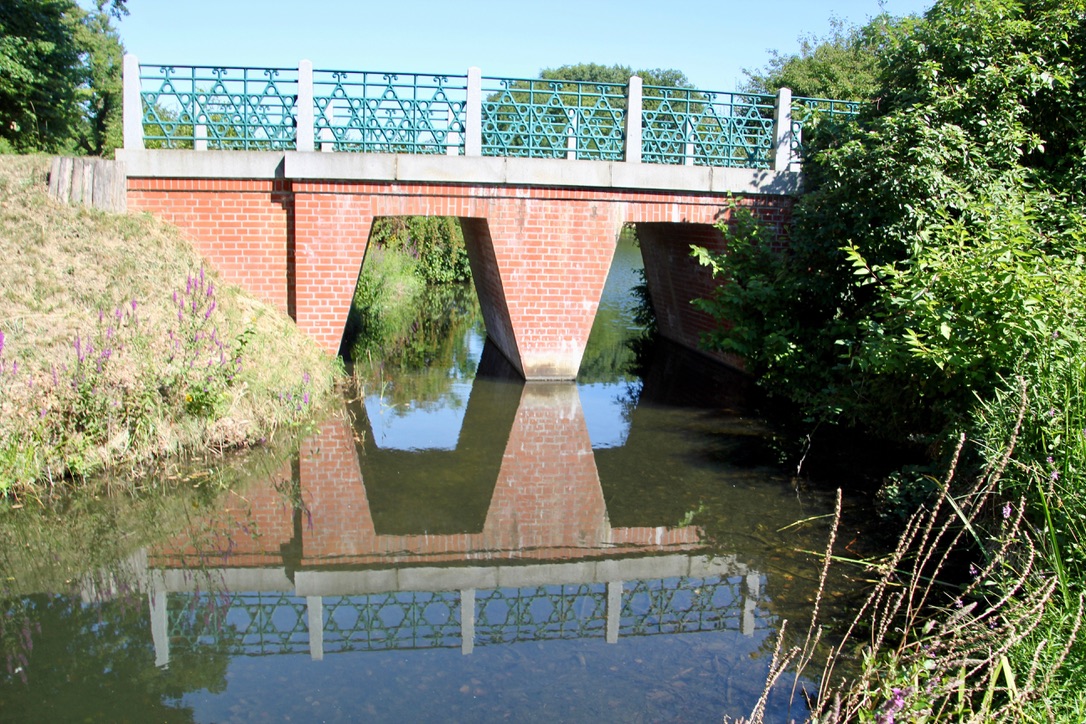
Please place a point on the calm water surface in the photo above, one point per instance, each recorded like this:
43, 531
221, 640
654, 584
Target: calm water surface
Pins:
471, 548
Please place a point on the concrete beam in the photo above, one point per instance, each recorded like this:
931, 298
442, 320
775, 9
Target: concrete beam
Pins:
478, 170
346, 583
202, 164
538, 172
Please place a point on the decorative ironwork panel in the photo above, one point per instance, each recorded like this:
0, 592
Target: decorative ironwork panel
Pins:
682, 605
248, 109
706, 128
553, 119
253, 624
403, 620
256, 624
570, 611
389, 112
807, 112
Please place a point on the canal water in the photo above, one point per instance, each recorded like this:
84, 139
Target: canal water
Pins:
457, 545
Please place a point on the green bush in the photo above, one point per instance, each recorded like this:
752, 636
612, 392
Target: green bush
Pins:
939, 241
435, 242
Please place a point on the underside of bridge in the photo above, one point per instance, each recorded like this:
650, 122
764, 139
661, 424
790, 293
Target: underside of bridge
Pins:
539, 255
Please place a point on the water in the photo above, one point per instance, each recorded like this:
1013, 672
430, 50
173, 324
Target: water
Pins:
472, 548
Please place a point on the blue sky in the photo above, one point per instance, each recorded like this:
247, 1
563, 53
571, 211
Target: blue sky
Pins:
709, 41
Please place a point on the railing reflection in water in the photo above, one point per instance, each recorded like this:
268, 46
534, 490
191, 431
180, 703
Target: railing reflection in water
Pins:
317, 573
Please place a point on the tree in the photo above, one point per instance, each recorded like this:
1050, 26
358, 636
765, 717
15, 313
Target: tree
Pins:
937, 248
59, 76
101, 93
616, 74
843, 65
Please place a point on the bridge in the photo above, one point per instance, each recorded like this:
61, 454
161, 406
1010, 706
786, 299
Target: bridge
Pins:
277, 175
314, 559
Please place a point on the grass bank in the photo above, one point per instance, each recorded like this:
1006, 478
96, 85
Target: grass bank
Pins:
121, 347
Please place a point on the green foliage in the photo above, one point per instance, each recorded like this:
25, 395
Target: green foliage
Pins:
101, 94
387, 288
60, 77
418, 360
436, 243
937, 244
616, 74
843, 65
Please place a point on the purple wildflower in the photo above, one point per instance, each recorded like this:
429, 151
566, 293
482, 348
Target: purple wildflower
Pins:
1006, 511
1, 342
133, 306
1054, 475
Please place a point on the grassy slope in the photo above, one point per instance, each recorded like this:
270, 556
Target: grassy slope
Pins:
64, 265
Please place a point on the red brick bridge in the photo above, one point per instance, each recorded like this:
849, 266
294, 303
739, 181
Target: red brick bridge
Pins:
541, 218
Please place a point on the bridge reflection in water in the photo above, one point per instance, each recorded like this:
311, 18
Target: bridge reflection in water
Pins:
503, 538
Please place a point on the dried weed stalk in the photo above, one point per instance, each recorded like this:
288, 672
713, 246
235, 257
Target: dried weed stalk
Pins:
934, 651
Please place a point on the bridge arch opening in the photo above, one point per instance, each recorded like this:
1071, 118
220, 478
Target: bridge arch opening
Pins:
420, 276
674, 279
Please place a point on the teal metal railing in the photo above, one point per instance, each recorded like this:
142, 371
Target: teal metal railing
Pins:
808, 112
212, 107
553, 119
707, 128
260, 624
389, 112
217, 107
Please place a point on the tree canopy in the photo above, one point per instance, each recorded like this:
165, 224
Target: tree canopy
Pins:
617, 74
939, 245
60, 76
843, 65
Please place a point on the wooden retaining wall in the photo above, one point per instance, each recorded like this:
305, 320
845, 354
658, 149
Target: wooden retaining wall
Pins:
92, 182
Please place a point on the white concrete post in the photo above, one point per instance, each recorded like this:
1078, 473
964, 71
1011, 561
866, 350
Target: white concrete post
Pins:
303, 108
467, 621
473, 114
314, 606
753, 587
614, 610
782, 131
571, 135
160, 623
633, 120
132, 103
199, 137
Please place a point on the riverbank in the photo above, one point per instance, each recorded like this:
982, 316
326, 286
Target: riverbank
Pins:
120, 347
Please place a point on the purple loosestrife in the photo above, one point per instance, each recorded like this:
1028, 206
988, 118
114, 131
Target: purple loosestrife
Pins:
1, 341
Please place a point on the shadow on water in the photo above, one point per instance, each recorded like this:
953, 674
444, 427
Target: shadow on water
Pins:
470, 548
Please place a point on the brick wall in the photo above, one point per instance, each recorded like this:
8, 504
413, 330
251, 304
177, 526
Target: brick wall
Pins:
540, 255
240, 227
